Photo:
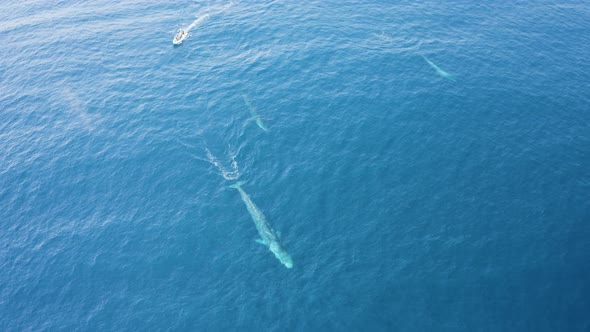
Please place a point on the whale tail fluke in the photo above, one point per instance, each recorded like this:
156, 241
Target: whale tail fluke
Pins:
261, 124
449, 77
237, 185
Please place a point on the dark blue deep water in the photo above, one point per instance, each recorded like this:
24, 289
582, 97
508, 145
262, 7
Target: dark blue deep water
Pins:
427, 165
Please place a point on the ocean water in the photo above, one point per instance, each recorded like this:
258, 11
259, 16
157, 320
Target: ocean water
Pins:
426, 163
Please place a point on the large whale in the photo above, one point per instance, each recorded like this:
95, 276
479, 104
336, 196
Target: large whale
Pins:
439, 71
268, 237
255, 114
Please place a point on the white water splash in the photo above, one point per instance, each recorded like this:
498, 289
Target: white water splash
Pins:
234, 174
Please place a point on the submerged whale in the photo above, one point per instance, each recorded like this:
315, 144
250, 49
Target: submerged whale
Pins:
268, 237
255, 114
439, 71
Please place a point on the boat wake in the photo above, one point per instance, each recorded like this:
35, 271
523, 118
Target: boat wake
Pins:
204, 15
196, 22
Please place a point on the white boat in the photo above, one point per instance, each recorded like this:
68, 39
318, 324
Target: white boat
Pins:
180, 37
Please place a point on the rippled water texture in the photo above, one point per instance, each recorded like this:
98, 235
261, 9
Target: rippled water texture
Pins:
426, 164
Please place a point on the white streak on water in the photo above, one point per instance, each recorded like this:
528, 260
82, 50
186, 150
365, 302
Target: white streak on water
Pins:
234, 174
196, 22
205, 14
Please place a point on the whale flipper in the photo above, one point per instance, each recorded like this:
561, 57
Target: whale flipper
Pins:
261, 241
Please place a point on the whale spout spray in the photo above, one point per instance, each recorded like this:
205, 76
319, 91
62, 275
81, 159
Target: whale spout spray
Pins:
255, 114
439, 71
268, 237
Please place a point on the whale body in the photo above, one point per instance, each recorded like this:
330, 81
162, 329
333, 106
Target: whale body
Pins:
268, 236
439, 71
255, 114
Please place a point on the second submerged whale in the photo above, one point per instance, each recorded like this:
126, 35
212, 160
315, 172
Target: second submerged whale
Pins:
439, 71
255, 114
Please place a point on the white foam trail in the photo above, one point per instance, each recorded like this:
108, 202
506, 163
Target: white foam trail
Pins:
228, 175
196, 22
208, 12
384, 36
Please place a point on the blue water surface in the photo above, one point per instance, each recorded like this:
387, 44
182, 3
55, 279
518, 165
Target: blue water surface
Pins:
410, 200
